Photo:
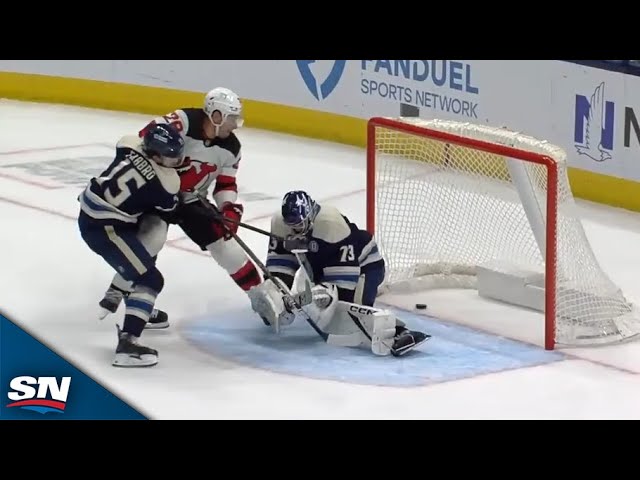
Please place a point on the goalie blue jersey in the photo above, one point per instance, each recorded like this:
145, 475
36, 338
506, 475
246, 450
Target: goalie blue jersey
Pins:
130, 186
337, 250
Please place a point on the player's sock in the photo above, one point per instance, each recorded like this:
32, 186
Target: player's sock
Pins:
111, 300
139, 309
247, 276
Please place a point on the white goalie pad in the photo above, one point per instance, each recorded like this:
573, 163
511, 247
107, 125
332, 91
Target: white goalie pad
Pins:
347, 324
324, 301
383, 333
351, 324
267, 301
367, 326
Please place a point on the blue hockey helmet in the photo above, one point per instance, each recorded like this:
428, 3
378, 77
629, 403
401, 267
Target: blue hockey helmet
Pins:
299, 211
165, 143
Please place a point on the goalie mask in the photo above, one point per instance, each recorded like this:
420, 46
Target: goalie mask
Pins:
299, 211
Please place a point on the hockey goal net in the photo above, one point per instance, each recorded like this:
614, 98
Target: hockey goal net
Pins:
458, 205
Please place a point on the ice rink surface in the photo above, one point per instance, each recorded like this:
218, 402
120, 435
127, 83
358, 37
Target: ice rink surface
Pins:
218, 361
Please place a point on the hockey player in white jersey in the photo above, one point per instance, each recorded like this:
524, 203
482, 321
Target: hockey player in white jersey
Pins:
343, 264
212, 157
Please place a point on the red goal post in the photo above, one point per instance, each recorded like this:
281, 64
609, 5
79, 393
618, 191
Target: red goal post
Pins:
461, 205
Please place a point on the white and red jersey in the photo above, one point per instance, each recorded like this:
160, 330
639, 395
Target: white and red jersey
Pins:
206, 160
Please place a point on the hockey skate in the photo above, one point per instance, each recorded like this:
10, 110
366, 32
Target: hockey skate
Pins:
130, 354
158, 320
111, 301
406, 340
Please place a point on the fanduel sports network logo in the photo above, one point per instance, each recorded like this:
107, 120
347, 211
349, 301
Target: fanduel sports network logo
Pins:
594, 125
42, 394
320, 88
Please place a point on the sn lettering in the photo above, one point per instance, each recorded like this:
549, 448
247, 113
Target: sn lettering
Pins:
22, 388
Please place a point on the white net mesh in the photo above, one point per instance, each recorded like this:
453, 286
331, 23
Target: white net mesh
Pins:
443, 209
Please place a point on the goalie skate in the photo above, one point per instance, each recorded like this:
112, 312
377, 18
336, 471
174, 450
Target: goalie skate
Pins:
407, 340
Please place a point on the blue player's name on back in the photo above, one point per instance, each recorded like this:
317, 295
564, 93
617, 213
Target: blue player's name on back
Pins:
142, 164
130, 186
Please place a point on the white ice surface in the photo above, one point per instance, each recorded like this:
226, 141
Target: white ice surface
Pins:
51, 282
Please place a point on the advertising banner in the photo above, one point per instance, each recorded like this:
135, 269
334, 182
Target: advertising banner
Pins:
589, 112
594, 119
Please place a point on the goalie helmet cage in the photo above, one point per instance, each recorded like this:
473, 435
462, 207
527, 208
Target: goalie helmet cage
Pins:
461, 205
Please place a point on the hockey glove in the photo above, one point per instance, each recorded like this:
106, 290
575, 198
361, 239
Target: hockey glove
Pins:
232, 212
172, 217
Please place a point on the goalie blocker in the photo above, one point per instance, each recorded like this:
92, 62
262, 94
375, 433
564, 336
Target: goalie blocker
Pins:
347, 324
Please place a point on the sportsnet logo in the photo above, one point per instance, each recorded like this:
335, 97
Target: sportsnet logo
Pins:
46, 395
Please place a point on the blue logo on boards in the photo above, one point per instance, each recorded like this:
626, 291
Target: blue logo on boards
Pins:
320, 88
594, 125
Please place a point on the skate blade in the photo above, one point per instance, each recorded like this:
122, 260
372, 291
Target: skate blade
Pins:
400, 353
156, 326
126, 361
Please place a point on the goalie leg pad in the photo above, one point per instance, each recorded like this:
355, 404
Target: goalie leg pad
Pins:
384, 331
373, 328
267, 301
322, 309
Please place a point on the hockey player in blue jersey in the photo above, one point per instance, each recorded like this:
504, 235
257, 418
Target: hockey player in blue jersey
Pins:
346, 269
141, 181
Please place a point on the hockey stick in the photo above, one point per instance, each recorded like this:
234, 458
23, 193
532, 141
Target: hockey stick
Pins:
249, 227
216, 214
291, 242
252, 228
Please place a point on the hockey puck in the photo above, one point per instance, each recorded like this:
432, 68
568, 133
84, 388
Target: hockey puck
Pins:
421, 306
